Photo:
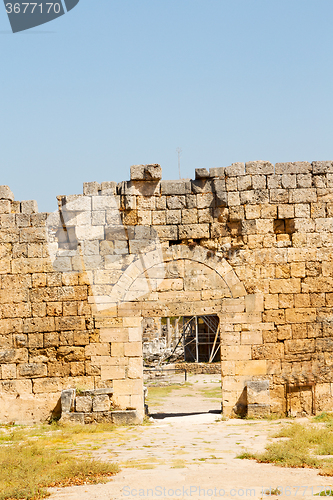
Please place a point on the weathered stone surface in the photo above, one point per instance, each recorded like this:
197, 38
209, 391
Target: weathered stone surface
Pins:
101, 402
83, 404
67, 400
6, 193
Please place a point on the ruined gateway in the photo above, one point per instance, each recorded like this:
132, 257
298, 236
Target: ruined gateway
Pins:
251, 244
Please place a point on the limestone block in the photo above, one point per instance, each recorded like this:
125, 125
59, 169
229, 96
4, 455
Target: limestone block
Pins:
299, 346
112, 372
268, 351
129, 417
301, 315
258, 410
235, 169
259, 167
6, 193
259, 182
258, 392
297, 167
194, 231
251, 338
166, 232
274, 181
135, 368
189, 216
117, 348
173, 216
252, 211
8, 371
16, 387
235, 353
32, 370
304, 195
19, 355
114, 334
233, 199
304, 180
176, 187
322, 167
201, 173
133, 349
67, 400
108, 188
159, 217
77, 203
217, 172
286, 300
274, 316
47, 385
83, 403
291, 285
91, 188
279, 195
127, 387
205, 200
151, 172
244, 182
5, 207
231, 183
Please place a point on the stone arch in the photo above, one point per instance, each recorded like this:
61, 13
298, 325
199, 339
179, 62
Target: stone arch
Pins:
239, 312
145, 262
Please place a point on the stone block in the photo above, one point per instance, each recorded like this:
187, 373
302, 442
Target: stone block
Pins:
112, 372
67, 400
201, 173
289, 285
193, 231
72, 418
151, 172
322, 167
235, 170
176, 187
101, 403
217, 172
298, 346
258, 411
127, 417
301, 315
91, 188
297, 167
259, 167
304, 195
279, 195
6, 193
83, 404
133, 349
258, 392
108, 188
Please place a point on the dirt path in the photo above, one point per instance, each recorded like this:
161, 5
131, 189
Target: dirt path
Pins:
193, 455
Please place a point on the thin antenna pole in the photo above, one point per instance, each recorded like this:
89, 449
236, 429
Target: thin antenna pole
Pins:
179, 151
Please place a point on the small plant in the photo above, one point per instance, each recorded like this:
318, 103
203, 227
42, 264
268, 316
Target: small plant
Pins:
274, 491
246, 456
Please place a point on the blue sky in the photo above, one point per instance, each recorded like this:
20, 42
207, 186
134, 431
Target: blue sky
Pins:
120, 82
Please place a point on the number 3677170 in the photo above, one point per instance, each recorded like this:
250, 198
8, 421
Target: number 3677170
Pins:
30, 8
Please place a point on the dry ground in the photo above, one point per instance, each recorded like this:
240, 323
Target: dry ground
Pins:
187, 451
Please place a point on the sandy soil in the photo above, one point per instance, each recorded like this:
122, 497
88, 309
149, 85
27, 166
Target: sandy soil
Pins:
187, 451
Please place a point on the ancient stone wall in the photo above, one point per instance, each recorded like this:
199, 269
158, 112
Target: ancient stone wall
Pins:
250, 243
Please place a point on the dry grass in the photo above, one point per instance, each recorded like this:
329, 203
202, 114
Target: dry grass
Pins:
301, 446
34, 458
